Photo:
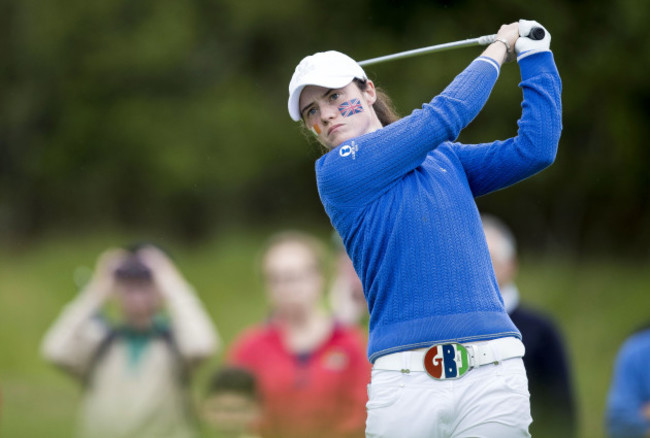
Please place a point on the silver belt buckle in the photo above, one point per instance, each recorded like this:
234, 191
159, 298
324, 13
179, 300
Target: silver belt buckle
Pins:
446, 361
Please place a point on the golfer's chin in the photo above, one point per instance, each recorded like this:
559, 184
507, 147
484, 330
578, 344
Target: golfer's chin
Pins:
343, 135
337, 139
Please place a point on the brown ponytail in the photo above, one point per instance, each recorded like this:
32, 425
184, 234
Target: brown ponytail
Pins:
383, 106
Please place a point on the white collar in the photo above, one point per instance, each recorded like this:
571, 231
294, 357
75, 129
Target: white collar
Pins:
510, 295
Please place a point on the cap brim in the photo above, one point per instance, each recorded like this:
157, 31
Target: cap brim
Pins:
329, 82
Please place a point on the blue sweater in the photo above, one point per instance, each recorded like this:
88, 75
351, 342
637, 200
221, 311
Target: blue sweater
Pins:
630, 389
402, 199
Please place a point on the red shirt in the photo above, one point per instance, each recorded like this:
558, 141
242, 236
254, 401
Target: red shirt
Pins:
321, 394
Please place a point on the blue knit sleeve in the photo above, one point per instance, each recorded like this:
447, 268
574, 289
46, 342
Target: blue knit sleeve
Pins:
363, 168
495, 165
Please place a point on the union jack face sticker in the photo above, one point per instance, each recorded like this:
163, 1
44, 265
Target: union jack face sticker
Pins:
446, 361
351, 107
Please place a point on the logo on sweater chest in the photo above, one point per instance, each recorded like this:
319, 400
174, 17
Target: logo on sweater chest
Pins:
349, 149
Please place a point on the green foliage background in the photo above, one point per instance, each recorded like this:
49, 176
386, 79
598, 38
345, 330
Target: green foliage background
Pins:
172, 114
167, 120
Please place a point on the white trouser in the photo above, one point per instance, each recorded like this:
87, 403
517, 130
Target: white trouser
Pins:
489, 401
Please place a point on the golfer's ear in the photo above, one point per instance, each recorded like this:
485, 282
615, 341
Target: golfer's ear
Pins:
370, 92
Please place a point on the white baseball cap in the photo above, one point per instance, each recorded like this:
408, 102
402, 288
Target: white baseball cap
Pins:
329, 69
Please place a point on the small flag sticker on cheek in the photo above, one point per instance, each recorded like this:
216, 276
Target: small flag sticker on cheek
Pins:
315, 129
351, 107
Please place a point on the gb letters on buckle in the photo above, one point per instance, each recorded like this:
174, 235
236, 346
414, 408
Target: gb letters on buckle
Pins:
446, 361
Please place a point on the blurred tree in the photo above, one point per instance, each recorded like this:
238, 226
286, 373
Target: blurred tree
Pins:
172, 114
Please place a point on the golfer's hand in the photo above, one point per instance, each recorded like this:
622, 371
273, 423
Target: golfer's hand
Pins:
511, 33
503, 50
526, 46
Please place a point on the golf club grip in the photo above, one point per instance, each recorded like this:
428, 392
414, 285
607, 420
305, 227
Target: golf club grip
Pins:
537, 33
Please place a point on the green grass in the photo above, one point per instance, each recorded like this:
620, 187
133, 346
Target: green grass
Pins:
596, 303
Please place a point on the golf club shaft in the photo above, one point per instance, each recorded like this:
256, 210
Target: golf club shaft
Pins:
480, 41
536, 33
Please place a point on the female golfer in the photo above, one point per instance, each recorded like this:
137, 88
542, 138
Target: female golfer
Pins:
446, 357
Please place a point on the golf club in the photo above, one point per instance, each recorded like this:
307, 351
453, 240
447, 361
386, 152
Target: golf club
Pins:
536, 33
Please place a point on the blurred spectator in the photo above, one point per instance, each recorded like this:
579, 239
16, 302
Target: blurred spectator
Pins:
346, 297
135, 372
312, 371
552, 401
628, 402
232, 406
